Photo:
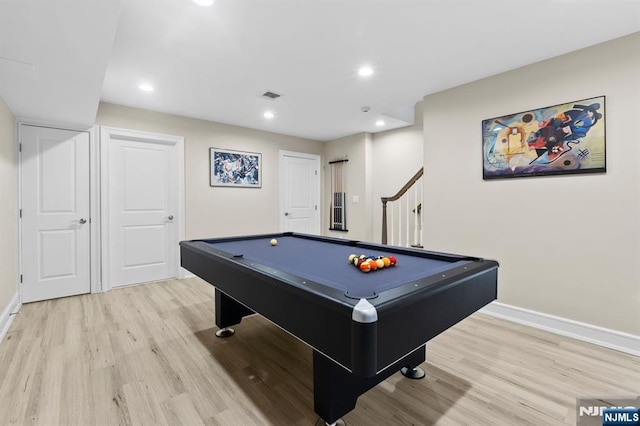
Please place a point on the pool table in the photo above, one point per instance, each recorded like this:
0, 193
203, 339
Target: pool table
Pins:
362, 326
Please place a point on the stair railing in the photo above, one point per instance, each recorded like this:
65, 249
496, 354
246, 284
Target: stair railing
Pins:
411, 214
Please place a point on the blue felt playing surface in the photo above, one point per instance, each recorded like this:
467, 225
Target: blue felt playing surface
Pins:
328, 263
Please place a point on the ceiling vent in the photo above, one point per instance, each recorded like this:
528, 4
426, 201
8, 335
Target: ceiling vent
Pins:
270, 95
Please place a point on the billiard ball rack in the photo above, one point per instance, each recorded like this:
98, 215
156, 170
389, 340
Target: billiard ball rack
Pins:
372, 263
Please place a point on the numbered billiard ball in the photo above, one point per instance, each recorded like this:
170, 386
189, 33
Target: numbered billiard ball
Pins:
380, 263
351, 257
392, 261
365, 267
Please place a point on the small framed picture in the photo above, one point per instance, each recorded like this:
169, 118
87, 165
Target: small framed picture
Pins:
235, 168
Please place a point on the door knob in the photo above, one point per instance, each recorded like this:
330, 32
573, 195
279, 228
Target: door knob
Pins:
286, 213
82, 221
170, 217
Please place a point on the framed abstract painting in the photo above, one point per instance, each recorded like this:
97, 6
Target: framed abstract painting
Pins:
561, 139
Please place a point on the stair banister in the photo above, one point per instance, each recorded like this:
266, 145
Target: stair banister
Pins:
400, 193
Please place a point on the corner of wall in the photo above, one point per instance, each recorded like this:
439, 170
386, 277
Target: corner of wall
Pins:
9, 313
9, 247
368, 190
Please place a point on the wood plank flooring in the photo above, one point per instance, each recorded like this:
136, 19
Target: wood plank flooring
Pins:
147, 355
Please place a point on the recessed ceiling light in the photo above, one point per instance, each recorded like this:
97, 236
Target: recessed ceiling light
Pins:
146, 87
365, 71
380, 123
269, 114
203, 2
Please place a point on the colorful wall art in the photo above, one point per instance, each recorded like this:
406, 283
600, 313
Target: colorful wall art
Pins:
561, 139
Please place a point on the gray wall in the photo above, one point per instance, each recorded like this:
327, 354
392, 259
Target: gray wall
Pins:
357, 149
397, 156
569, 246
8, 208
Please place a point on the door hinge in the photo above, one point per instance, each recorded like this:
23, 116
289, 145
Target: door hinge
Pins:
20, 213
20, 278
316, 173
316, 207
20, 147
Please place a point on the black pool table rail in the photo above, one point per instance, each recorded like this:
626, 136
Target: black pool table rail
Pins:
447, 257
466, 265
258, 270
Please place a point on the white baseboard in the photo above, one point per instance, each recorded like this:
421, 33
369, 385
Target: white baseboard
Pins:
612, 339
6, 318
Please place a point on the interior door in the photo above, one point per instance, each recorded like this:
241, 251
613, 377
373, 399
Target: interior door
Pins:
300, 193
55, 213
141, 173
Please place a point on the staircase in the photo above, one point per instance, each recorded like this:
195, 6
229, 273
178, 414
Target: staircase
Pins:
402, 214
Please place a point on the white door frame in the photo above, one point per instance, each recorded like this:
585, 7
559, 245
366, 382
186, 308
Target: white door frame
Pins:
107, 132
94, 199
315, 157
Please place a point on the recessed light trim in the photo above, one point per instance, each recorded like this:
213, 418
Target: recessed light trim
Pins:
365, 71
146, 87
380, 123
269, 115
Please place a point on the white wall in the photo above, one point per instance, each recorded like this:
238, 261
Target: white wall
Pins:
8, 209
397, 156
568, 246
217, 211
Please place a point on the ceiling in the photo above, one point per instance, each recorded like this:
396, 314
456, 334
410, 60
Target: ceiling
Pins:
59, 59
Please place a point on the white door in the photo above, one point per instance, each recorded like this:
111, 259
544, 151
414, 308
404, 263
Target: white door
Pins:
142, 178
55, 213
299, 192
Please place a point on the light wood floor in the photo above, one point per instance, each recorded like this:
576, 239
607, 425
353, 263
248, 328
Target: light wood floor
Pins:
147, 355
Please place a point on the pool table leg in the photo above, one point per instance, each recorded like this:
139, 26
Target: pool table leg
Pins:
336, 390
228, 312
413, 372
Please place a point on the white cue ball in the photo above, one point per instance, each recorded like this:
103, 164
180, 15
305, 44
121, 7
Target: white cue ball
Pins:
274, 242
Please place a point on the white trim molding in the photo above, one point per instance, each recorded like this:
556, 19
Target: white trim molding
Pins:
600, 336
6, 318
94, 197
